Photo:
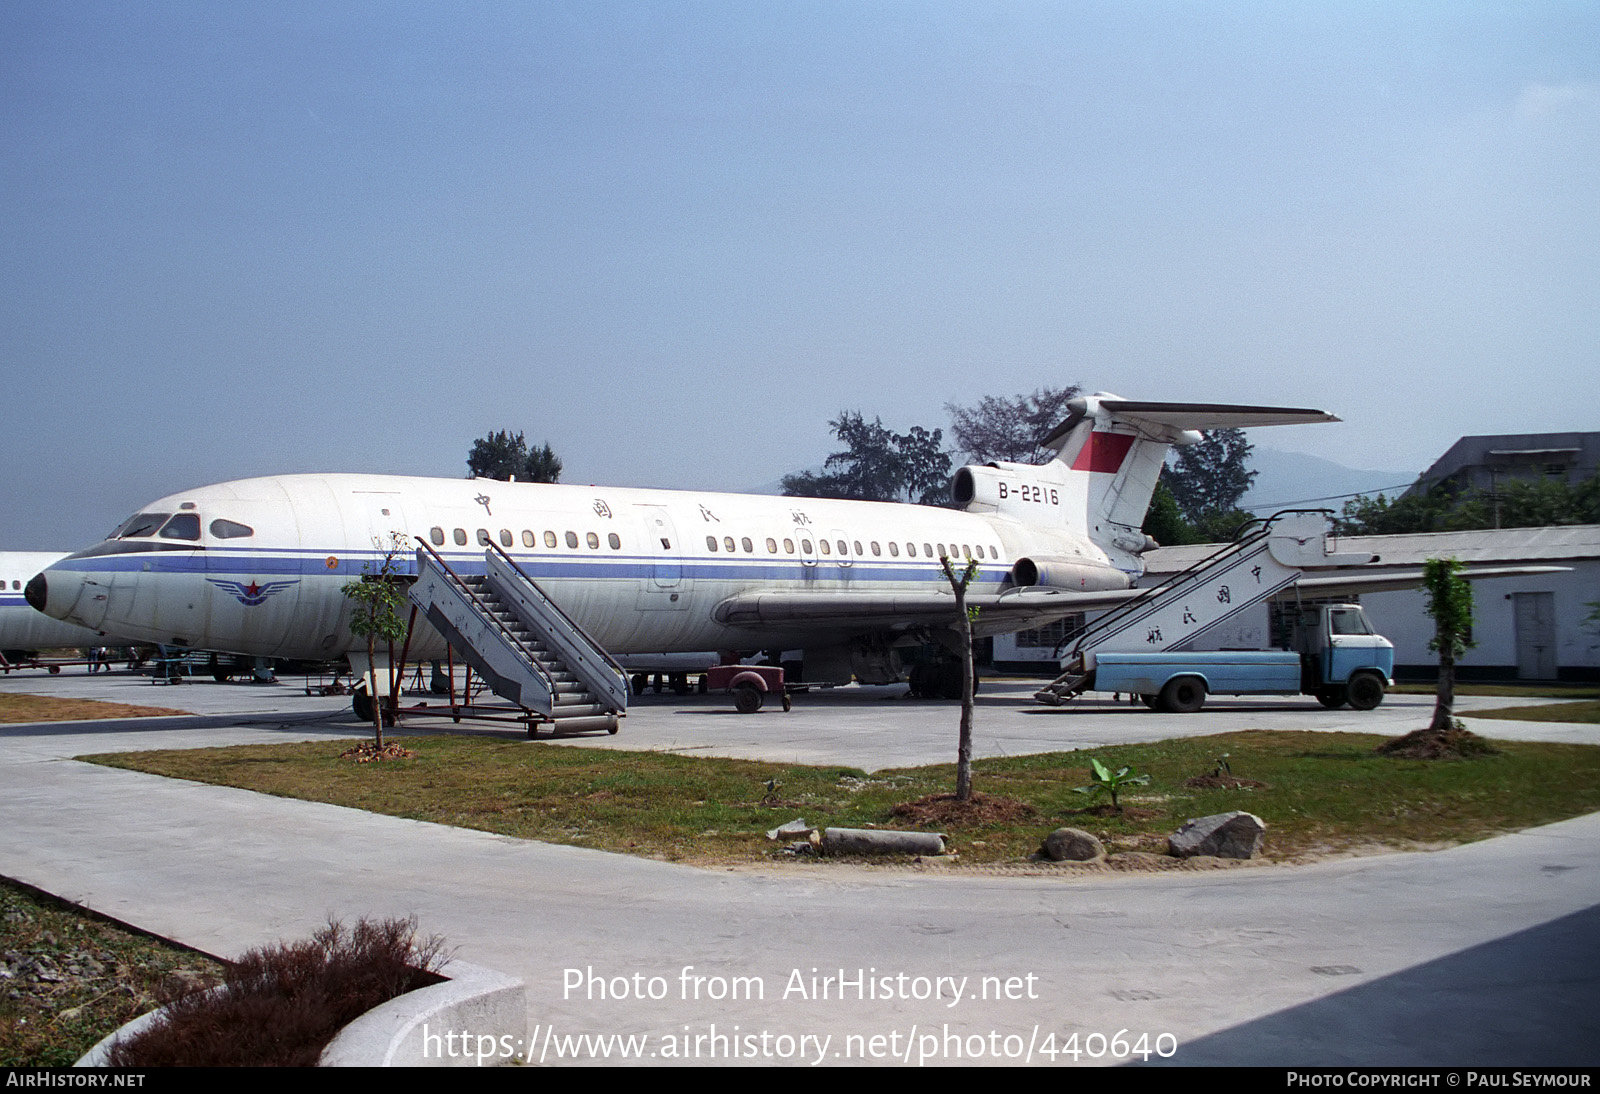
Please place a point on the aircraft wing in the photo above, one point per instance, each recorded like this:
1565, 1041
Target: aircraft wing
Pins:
1355, 581
998, 613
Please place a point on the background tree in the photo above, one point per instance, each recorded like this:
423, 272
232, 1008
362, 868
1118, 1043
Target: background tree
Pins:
1515, 503
998, 428
1164, 522
505, 456
1211, 476
878, 464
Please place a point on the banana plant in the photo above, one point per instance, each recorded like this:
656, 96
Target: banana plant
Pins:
1107, 781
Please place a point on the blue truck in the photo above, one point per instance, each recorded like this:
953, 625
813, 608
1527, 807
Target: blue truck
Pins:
1331, 652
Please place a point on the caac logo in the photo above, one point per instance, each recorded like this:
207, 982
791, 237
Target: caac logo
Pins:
254, 593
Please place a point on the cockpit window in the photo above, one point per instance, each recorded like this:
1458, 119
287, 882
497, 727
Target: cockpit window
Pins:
142, 524
182, 526
232, 529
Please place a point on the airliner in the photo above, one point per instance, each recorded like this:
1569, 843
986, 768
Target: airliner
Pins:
255, 567
23, 631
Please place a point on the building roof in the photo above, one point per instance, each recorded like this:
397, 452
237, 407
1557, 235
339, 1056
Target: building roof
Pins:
1553, 543
1511, 452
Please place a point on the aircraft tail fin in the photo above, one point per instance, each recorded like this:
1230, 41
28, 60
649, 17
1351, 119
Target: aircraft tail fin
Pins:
1115, 448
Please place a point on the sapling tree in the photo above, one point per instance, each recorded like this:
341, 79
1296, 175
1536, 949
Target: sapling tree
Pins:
377, 599
1450, 606
964, 651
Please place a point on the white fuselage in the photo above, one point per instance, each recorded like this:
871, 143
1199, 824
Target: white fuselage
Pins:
256, 566
22, 628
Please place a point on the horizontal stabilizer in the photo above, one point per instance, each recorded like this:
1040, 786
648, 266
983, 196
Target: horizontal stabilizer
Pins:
1192, 415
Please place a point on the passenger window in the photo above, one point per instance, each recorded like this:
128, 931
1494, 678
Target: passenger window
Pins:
506, 538
805, 545
772, 546
711, 543
876, 550
827, 550
927, 549
593, 540
572, 539
894, 549
435, 536
549, 539
857, 546
232, 529
788, 546
483, 537
528, 540
727, 542
911, 550
460, 537
745, 543
182, 526
615, 541
965, 550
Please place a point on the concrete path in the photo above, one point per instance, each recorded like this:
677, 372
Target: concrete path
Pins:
1484, 954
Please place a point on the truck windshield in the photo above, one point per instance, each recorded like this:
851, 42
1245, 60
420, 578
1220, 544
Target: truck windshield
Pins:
1347, 621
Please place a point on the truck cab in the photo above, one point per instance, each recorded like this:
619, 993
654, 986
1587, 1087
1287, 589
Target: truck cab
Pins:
1343, 660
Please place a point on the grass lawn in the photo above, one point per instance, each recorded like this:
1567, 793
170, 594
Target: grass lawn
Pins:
1587, 710
1324, 793
1513, 691
44, 708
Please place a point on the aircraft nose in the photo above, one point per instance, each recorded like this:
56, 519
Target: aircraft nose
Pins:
54, 592
36, 592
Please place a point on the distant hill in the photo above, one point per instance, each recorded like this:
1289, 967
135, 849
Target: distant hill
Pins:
1292, 478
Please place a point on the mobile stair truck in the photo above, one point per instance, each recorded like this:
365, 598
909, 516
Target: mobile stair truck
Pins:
1148, 646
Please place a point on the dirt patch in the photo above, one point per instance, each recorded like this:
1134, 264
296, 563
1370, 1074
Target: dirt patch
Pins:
1455, 743
367, 752
1223, 782
943, 810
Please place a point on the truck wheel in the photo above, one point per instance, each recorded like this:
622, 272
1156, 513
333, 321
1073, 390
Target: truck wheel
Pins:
361, 705
1149, 700
746, 699
1332, 698
1365, 691
1183, 695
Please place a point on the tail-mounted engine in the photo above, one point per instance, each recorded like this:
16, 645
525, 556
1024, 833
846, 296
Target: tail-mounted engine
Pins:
1033, 494
1059, 572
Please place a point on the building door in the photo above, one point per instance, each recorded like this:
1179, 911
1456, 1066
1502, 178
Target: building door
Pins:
1536, 635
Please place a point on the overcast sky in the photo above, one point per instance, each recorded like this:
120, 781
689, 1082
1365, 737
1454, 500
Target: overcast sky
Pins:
674, 239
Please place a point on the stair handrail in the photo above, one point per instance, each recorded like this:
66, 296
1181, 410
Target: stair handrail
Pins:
571, 623
1116, 615
1240, 544
485, 612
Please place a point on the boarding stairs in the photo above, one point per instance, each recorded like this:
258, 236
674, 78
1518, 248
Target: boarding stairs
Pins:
1177, 612
521, 643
